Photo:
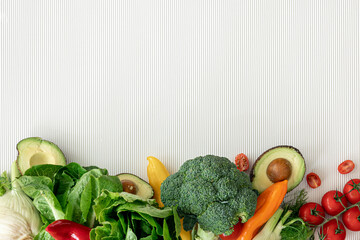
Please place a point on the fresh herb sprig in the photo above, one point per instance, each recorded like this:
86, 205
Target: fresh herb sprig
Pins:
294, 227
286, 223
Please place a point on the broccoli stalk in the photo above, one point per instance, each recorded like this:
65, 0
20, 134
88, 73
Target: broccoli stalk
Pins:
200, 234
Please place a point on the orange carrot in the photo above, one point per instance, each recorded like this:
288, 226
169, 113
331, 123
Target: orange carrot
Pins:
267, 204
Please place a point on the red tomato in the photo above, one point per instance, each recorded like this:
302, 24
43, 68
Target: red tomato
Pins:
346, 167
242, 162
313, 180
351, 219
333, 231
352, 190
235, 234
312, 213
331, 202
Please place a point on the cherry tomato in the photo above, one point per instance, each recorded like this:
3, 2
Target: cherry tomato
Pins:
352, 190
331, 202
351, 219
235, 234
242, 162
333, 231
313, 180
312, 213
346, 167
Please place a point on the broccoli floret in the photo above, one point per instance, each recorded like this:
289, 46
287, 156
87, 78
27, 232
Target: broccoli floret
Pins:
218, 218
213, 190
174, 182
244, 203
196, 203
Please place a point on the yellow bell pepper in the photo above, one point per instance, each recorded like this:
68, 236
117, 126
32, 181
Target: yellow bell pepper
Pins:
185, 235
157, 173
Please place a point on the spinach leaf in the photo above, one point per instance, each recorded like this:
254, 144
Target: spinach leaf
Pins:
123, 222
5, 183
46, 170
166, 231
31, 184
48, 206
74, 170
130, 235
85, 191
177, 222
43, 235
144, 227
152, 221
39, 188
63, 186
109, 230
88, 168
137, 218
100, 232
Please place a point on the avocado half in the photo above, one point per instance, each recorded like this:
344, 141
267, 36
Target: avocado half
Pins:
35, 151
135, 185
277, 164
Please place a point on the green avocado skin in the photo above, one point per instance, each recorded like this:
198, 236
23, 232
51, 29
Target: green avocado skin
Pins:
299, 166
143, 189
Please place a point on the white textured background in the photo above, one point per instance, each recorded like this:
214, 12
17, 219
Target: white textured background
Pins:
112, 82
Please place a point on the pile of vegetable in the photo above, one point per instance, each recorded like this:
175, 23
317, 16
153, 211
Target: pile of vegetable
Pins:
208, 198
73, 202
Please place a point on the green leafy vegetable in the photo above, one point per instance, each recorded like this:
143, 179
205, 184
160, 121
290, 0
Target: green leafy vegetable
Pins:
5, 184
66, 192
46, 170
40, 189
123, 215
295, 202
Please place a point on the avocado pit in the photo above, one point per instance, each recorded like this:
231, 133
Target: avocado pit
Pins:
278, 170
135, 185
129, 186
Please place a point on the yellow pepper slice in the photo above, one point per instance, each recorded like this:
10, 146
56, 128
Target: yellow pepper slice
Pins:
157, 173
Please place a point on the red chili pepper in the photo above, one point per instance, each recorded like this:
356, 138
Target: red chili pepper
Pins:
235, 234
68, 230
